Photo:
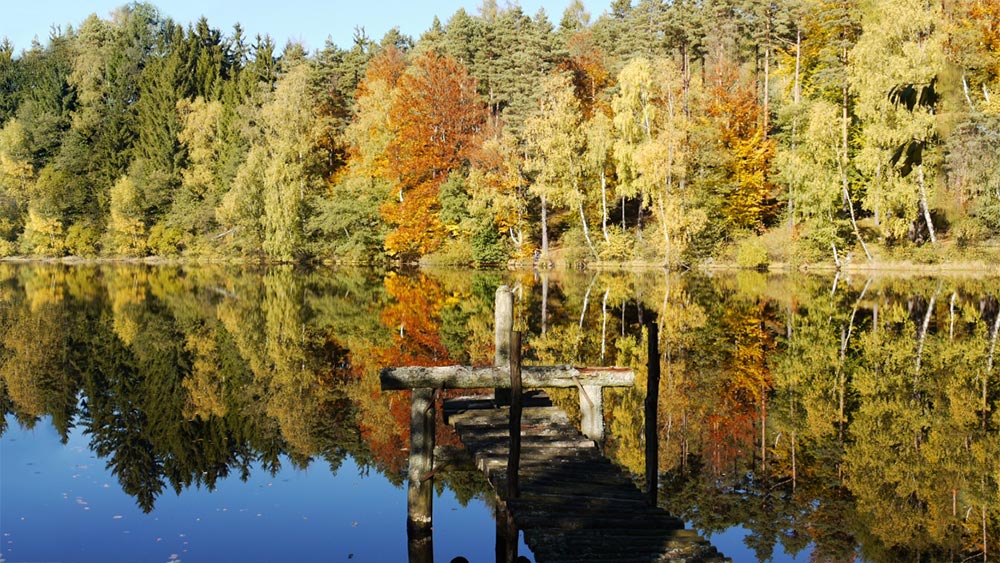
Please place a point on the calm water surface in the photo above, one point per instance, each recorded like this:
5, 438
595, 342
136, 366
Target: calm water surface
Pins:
208, 414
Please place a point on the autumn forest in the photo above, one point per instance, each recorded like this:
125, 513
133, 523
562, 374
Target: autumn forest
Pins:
751, 131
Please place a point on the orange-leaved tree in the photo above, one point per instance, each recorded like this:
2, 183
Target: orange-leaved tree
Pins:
734, 111
435, 113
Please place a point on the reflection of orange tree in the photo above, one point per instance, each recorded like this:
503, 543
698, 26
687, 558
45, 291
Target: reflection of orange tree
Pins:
414, 316
738, 395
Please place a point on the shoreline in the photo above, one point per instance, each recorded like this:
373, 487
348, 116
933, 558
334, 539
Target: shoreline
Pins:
903, 267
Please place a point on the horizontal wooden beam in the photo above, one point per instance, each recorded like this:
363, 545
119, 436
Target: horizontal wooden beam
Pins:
469, 377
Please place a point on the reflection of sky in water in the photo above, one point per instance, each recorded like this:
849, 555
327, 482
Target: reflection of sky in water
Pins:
59, 504
730, 543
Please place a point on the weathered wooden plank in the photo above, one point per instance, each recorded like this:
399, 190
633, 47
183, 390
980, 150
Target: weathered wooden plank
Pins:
542, 521
481, 377
499, 443
572, 503
498, 418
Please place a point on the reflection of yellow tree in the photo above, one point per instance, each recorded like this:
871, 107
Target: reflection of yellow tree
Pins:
43, 287
36, 375
922, 465
266, 318
34, 350
204, 385
127, 290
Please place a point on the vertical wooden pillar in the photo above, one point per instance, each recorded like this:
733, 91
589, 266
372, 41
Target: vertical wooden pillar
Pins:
507, 535
503, 324
652, 404
592, 412
420, 492
516, 399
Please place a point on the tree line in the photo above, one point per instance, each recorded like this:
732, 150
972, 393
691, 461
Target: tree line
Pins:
666, 132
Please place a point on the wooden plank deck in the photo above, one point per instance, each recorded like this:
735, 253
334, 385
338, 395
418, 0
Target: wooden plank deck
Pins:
573, 504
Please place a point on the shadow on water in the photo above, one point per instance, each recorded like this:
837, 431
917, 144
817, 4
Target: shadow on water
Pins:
840, 419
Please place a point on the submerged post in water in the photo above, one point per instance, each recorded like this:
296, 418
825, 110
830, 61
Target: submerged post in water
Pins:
652, 402
516, 400
507, 535
420, 492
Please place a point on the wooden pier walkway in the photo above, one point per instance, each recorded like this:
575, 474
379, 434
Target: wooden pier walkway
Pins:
552, 482
571, 503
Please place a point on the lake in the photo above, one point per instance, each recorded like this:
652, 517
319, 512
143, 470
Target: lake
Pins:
209, 413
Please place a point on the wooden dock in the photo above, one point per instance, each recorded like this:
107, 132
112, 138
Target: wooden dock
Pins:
571, 503
551, 480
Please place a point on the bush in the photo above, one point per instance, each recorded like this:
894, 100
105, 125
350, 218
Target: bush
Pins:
43, 236
619, 247
751, 253
488, 246
969, 231
82, 239
7, 248
925, 254
453, 252
165, 240
575, 252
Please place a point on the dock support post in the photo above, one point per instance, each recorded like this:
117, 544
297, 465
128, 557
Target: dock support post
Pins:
592, 412
502, 327
507, 534
516, 403
651, 404
420, 492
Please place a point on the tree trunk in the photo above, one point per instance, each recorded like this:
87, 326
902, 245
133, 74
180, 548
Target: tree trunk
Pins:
845, 339
951, 316
797, 92
604, 206
843, 172
586, 299
666, 233
604, 324
923, 203
965, 90
796, 97
586, 232
545, 302
767, 74
989, 368
545, 231
923, 334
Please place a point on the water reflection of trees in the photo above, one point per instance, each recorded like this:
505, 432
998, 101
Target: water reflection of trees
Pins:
859, 417
880, 432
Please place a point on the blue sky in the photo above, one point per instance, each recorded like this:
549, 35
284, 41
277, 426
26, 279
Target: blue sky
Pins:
308, 21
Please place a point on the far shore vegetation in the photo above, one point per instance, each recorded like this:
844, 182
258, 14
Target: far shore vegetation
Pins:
782, 134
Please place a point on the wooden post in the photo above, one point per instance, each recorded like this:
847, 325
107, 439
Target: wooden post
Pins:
516, 403
652, 403
507, 536
420, 492
502, 326
592, 412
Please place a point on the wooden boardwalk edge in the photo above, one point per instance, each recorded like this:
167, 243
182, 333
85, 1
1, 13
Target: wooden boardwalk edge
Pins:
572, 503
